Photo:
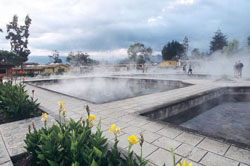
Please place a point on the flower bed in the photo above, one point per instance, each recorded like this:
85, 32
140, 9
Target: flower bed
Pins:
74, 143
16, 104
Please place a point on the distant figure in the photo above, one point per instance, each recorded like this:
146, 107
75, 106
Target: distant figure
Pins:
184, 68
236, 69
240, 67
190, 71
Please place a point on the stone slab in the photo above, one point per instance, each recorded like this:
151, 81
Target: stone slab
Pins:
169, 132
189, 138
214, 146
239, 154
166, 143
212, 159
197, 154
161, 156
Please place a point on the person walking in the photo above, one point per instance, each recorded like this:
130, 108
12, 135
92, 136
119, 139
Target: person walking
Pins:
190, 71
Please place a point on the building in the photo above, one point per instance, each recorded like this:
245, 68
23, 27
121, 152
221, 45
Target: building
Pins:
30, 69
170, 63
6, 69
55, 68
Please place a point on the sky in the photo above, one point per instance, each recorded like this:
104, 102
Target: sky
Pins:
106, 28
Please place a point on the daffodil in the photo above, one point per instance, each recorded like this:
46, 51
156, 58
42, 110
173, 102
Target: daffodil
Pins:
44, 116
118, 131
61, 103
91, 117
112, 128
132, 139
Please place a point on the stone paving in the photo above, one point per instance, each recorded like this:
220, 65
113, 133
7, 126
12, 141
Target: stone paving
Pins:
198, 149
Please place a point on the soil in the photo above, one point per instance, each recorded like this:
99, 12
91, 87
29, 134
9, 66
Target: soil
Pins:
21, 160
4, 119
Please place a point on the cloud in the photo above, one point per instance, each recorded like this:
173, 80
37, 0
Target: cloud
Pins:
103, 26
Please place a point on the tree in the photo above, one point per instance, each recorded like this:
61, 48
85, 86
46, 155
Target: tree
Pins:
232, 48
173, 51
80, 59
185, 45
9, 57
55, 57
18, 36
139, 53
218, 42
195, 53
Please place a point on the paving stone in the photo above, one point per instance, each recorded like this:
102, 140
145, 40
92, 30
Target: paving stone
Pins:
161, 156
239, 154
189, 138
123, 141
132, 130
212, 159
109, 121
150, 137
122, 125
152, 126
169, 132
213, 146
4, 157
127, 118
167, 143
184, 150
190, 161
197, 154
138, 122
147, 149
9, 163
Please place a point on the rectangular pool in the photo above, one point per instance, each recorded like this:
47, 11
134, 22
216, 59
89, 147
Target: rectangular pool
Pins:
226, 115
106, 89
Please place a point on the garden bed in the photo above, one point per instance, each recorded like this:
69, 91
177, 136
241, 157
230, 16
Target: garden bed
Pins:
21, 160
4, 119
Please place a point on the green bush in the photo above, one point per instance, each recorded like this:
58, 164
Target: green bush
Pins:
73, 143
15, 103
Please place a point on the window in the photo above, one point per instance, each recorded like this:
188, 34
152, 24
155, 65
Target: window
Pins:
2, 71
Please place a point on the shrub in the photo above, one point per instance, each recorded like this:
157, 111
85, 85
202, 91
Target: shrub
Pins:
15, 103
73, 143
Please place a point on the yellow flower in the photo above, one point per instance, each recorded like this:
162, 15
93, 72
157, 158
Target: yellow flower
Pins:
132, 139
44, 116
112, 128
185, 164
118, 131
92, 117
61, 103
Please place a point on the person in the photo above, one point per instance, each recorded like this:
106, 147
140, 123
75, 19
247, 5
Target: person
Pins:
190, 71
240, 67
184, 68
236, 69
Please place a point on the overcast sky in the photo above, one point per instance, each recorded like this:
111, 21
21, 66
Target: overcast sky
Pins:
108, 27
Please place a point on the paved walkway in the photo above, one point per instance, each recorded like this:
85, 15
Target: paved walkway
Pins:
199, 149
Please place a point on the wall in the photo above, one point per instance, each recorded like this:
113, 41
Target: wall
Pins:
182, 105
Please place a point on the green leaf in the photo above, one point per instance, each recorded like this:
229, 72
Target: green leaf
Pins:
52, 163
97, 152
94, 163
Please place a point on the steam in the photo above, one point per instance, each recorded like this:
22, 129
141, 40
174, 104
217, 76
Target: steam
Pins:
219, 64
101, 90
